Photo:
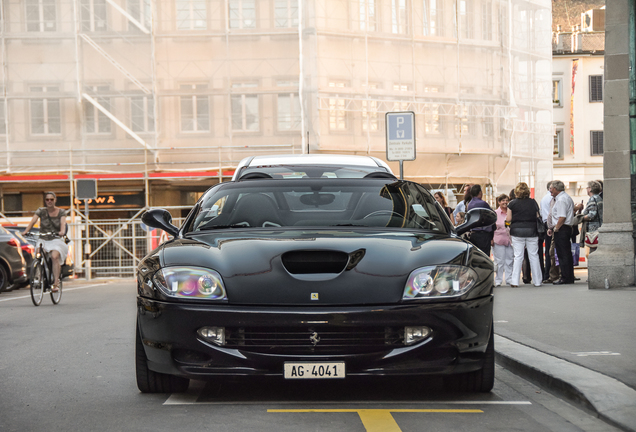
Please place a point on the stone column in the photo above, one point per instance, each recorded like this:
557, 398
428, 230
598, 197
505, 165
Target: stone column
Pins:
612, 265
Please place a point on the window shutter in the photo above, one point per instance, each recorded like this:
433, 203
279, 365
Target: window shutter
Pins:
596, 88
596, 139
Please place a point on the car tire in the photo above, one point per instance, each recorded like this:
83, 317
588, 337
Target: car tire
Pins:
4, 279
154, 382
481, 380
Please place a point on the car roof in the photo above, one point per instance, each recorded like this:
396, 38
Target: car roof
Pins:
311, 160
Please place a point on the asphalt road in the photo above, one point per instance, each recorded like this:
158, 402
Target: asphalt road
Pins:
70, 367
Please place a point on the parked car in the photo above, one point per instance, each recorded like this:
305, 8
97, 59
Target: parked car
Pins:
312, 272
13, 269
68, 267
28, 250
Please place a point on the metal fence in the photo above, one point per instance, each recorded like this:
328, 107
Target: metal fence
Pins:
113, 247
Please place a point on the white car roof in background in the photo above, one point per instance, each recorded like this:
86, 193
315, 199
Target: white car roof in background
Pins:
312, 159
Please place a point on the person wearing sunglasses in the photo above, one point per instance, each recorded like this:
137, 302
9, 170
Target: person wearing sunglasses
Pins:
52, 231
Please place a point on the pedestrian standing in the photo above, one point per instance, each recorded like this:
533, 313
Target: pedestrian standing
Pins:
441, 199
502, 244
545, 213
522, 216
482, 236
461, 206
562, 215
592, 215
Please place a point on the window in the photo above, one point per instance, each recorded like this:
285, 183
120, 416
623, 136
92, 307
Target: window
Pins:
368, 19
596, 141
142, 114
93, 13
41, 15
139, 10
191, 15
463, 123
486, 20
433, 17
398, 17
337, 112
465, 19
243, 14
96, 121
286, 13
245, 115
45, 112
432, 121
288, 109
557, 86
596, 88
557, 150
195, 109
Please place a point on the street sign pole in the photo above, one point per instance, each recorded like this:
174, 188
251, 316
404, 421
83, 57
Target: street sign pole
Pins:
400, 137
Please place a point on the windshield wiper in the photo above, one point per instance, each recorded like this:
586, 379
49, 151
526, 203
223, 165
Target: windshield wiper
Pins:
215, 227
352, 225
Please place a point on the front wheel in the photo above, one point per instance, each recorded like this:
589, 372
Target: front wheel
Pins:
37, 283
154, 382
482, 380
57, 296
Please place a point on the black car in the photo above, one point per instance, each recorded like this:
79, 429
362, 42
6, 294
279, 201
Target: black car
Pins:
13, 271
315, 275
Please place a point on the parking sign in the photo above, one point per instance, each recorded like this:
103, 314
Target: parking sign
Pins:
400, 136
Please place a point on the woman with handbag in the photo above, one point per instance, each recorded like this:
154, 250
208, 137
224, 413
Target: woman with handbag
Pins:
592, 215
523, 215
502, 244
52, 232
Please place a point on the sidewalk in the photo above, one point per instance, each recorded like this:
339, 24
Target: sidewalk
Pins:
577, 342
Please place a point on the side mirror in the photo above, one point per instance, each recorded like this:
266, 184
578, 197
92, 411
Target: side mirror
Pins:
162, 219
475, 218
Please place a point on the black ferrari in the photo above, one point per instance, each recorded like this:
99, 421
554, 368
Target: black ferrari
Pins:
315, 275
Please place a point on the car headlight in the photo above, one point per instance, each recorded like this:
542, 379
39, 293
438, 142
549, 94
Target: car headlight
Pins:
190, 283
439, 281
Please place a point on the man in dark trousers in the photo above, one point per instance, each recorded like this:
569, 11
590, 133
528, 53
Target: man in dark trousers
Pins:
545, 214
480, 237
562, 215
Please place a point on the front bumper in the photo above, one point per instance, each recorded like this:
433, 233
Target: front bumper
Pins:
460, 334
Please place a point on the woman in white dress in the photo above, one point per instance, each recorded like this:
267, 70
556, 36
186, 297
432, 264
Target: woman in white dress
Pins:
52, 231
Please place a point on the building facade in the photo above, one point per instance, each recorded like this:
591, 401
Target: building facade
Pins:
577, 97
158, 100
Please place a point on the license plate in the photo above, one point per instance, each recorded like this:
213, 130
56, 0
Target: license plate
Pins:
314, 370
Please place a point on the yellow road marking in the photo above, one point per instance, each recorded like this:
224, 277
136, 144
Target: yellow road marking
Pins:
376, 420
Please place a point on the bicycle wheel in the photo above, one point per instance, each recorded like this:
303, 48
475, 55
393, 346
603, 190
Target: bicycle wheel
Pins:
37, 283
57, 296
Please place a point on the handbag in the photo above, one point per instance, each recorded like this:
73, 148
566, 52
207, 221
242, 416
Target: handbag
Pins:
591, 239
540, 225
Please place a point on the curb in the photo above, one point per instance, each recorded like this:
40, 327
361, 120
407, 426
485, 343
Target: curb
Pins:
613, 401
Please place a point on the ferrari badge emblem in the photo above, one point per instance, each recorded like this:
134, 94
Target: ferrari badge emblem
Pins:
314, 296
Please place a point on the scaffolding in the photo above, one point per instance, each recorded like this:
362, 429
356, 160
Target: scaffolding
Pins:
146, 87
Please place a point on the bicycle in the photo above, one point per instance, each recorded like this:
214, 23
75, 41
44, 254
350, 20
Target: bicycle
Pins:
42, 275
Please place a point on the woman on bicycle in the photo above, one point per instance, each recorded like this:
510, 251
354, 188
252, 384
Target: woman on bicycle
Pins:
52, 230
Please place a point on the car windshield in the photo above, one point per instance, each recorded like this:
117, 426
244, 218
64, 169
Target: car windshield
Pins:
378, 203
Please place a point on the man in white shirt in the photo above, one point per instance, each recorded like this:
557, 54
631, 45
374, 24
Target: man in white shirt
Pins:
562, 216
545, 213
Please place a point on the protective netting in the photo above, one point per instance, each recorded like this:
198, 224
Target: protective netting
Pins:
136, 86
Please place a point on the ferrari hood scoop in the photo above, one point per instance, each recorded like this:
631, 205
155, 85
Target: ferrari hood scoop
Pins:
315, 262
